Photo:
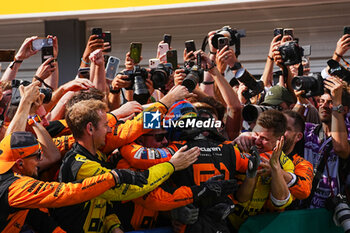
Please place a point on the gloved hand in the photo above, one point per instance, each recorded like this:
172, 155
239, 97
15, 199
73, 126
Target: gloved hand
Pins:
185, 214
126, 176
253, 163
212, 189
220, 211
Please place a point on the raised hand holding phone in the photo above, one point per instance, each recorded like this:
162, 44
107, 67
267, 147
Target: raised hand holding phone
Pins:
135, 51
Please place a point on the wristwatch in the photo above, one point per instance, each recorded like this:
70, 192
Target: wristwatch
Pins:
236, 66
339, 108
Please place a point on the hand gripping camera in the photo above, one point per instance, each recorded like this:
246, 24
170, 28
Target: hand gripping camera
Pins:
291, 53
138, 78
160, 75
194, 73
16, 97
337, 69
312, 85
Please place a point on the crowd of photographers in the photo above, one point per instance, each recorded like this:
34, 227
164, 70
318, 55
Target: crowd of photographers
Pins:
200, 148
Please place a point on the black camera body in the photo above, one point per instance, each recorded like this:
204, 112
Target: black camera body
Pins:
231, 33
254, 86
341, 211
312, 85
194, 75
16, 97
160, 75
337, 69
138, 78
291, 53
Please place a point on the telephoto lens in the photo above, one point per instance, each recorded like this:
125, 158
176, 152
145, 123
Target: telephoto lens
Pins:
341, 211
251, 112
254, 86
141, 93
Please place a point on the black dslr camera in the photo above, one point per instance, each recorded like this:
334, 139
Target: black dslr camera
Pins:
16, 97
138, 78
312, 85
341, 211
233, 36
160, 75
254, 86
336, 69
291, 53
194, 74
231, 33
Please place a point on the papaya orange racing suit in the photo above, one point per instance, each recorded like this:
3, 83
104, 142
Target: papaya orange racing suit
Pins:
97, 215
19, 193
215, 158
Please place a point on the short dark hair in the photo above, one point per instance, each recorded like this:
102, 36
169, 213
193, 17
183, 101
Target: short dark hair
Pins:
273, 120
299, 122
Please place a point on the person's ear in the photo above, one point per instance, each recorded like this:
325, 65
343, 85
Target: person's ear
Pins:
299, 136
19, 163
89, 127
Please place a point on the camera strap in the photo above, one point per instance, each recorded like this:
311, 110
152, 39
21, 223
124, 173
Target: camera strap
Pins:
300, 69
319, 170
284, 73
204, 43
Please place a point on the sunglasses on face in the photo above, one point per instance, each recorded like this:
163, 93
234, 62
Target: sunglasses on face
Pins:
158, 137
38, 155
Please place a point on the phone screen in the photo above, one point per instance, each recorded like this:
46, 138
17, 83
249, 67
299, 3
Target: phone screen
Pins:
222, 42
107, 37
171, 57
190, 46
135, 51
7, 55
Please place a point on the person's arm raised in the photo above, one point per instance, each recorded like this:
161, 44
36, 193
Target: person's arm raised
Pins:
23, 53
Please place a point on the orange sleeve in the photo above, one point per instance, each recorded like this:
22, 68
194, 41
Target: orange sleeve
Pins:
27, 192
303, 169
129, 131
241, 160
161, 200
64, 143
142, 158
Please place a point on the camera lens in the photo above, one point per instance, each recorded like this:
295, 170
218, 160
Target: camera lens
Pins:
141, 93
159, 78
48, 94
191, 81
251, 112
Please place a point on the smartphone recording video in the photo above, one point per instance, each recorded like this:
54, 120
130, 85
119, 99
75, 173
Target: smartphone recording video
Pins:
39, 43
135, 51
